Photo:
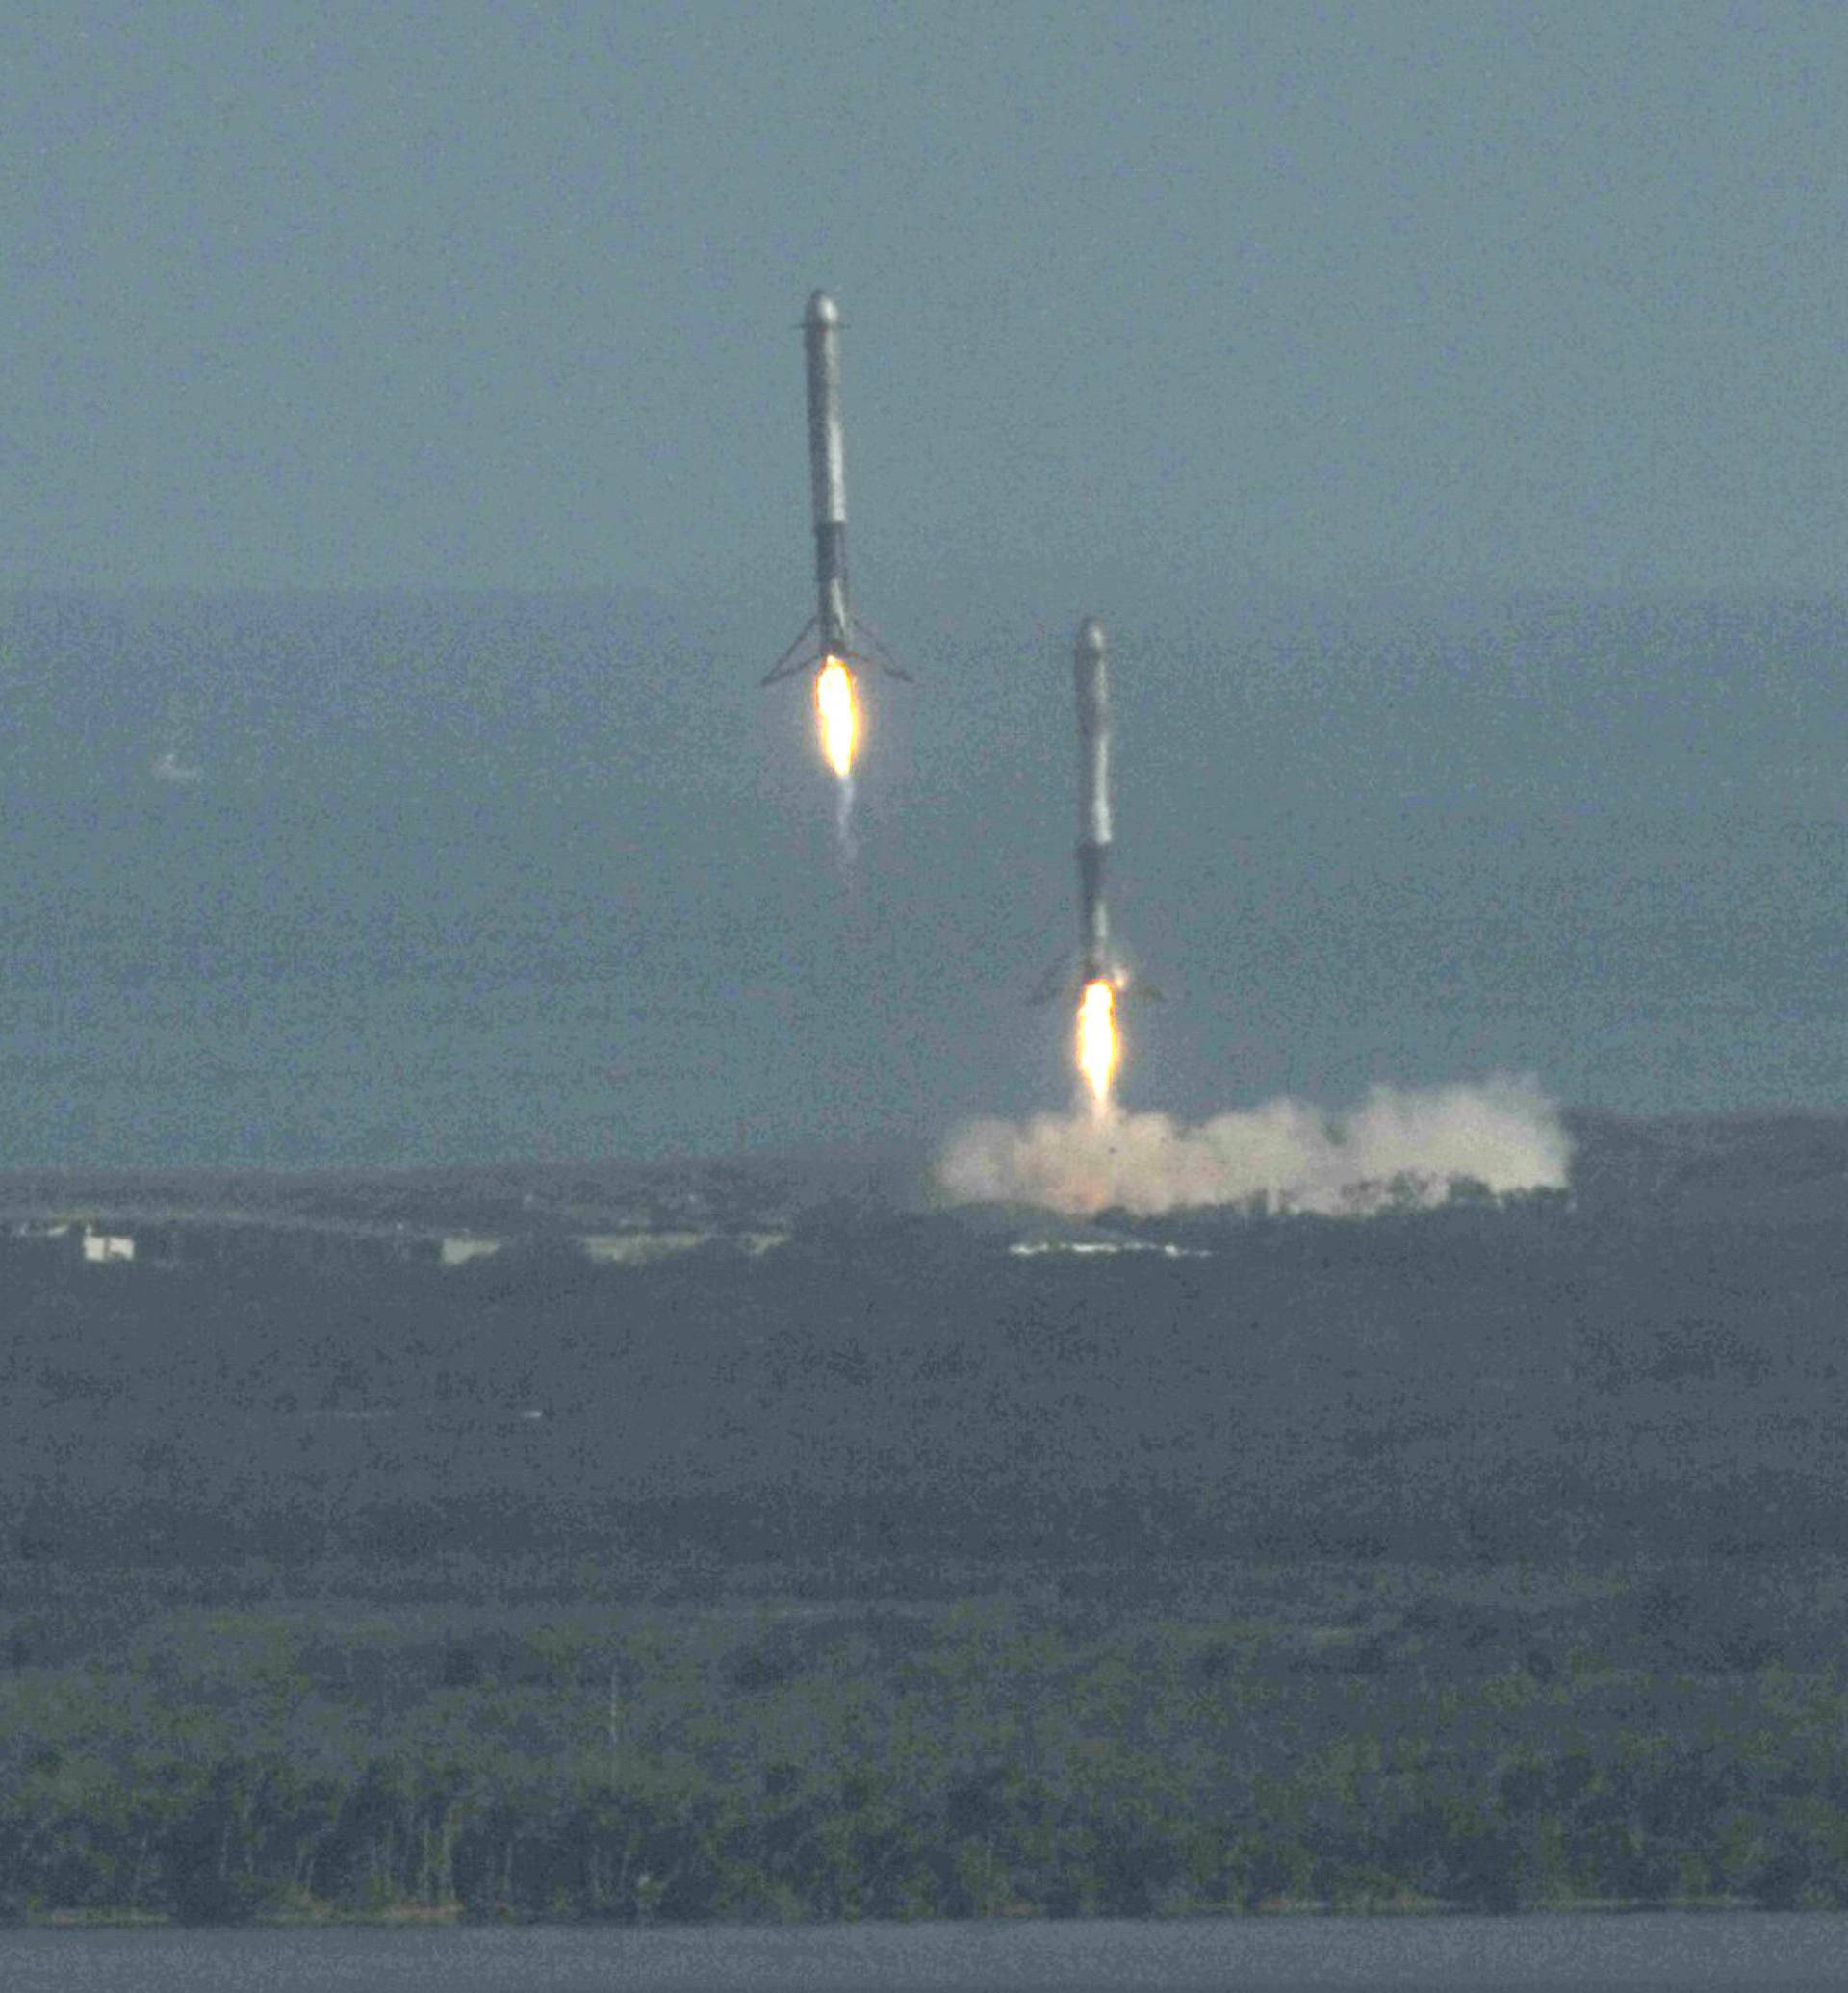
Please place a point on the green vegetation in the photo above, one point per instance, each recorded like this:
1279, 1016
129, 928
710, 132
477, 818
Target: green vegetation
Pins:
1482, 1558
1353, 1738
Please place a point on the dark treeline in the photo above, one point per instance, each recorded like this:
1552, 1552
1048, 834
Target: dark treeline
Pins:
1369, 1739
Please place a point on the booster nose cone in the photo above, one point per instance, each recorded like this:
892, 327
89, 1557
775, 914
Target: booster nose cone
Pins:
823, 310
1090, 638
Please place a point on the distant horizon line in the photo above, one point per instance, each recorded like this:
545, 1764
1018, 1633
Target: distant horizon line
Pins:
1256, 592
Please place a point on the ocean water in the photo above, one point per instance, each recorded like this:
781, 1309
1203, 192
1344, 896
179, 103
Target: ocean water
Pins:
1668, 1954
304, 881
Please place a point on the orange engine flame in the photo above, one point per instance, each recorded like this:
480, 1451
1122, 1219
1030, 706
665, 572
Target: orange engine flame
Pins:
1097, 1040
839, 716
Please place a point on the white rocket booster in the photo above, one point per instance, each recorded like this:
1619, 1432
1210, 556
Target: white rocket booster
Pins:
1091, 682
831, 633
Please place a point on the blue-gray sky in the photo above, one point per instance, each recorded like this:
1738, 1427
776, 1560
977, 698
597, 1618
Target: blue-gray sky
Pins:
1442, 405
463, 295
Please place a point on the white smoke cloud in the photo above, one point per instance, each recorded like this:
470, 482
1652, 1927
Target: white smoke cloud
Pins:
1396, 1146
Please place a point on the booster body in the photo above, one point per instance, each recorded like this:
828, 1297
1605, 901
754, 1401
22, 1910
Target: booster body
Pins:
1090, 682
827, 474
830, 635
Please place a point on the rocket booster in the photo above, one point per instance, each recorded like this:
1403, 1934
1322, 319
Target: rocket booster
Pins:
827, 474
1091, 682
831, 633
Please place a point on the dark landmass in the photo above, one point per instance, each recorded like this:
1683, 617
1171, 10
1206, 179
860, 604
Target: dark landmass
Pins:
792, 1553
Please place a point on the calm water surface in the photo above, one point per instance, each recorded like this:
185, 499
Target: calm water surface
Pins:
1305, 1956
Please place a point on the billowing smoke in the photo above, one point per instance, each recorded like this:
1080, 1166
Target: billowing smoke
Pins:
1394, 1148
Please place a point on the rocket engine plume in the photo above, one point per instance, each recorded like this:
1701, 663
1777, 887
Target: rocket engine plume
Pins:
1097, 1041
839, 716
826, 642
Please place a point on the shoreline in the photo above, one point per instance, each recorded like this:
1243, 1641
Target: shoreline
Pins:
445, 1916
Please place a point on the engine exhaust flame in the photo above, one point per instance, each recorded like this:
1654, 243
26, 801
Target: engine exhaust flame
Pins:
839, 718
1097, 1041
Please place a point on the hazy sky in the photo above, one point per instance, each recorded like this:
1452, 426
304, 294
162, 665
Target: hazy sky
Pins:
462, 294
